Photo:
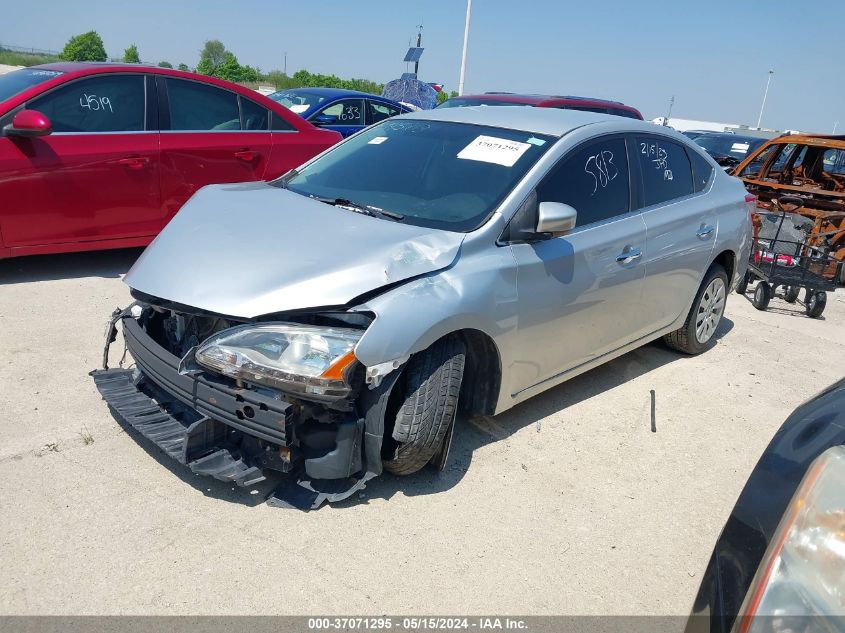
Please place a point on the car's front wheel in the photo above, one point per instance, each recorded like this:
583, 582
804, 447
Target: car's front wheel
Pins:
425, 401
704, 316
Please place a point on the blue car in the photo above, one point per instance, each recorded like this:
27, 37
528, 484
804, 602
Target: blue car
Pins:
344, 111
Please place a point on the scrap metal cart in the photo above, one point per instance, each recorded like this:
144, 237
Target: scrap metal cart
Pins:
783, 257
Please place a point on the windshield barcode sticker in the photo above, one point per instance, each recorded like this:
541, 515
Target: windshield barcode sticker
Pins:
489, 149
377, 140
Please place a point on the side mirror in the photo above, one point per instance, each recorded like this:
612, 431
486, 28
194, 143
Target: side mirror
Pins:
29, 123
555, 218
323, 119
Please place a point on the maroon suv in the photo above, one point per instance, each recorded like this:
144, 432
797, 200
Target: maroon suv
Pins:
587, 104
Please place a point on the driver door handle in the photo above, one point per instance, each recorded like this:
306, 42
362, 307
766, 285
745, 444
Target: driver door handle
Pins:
627, 256
246, 155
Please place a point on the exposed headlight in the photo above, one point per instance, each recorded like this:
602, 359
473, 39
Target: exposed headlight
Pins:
287, 356
802, 575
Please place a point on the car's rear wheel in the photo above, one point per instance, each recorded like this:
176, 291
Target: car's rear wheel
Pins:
425, 401
704, 316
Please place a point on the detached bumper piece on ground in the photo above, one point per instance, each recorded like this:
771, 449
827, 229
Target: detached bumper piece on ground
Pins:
235, 435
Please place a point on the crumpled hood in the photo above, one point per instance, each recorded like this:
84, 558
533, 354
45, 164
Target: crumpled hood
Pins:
250, 249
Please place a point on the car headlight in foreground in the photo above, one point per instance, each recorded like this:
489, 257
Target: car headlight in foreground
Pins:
286, 356
803, 572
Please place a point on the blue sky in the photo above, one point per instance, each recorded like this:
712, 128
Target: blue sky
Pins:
712, 55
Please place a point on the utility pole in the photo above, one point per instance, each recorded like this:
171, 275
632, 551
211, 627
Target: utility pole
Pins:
285, 71
835, 125
419, 45
668, 116
464, 54
765, 94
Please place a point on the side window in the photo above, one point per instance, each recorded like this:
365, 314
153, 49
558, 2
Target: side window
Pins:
665, 168
752, 169
833, 161
196, 106
255, 117
701, 170
109, 103
380, 111
347, 112
280, 123
593, 179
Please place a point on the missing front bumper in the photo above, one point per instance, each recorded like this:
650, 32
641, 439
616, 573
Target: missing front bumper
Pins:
235, 434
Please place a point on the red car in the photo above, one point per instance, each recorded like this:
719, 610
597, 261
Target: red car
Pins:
587, 104
96, 156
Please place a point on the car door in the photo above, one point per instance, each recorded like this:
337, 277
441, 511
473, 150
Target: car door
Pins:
681, 223
346, 116
95, 177
210, 135
580, 294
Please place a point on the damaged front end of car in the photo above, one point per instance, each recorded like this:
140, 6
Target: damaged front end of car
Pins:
236, 398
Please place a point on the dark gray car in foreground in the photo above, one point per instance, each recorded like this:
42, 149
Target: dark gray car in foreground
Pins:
329, 324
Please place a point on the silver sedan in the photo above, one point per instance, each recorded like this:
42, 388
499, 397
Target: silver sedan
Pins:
329, 324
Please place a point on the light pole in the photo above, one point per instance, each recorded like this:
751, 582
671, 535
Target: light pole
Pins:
464, 54
835, 125
765, 94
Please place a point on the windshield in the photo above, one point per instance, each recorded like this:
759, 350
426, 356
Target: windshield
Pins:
461, 102
443, 175
17, 81
729, 145
297, 100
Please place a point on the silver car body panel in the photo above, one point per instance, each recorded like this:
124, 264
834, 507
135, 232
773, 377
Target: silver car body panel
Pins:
251, 249
552, 309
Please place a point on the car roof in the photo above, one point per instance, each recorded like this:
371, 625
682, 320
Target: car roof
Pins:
69, 67
328, 92
825, 140
736, 137
535, 99
548, 121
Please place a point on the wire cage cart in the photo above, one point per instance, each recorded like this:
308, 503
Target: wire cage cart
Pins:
782, 256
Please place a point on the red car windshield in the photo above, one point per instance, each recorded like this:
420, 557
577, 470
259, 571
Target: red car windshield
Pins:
17, 81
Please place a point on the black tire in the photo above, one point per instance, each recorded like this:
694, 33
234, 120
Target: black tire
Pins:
427, 403
762, 295
742, 286
815, 304
790, 294
684, 339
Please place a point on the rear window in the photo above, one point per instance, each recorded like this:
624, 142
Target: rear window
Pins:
701, 171
17, 81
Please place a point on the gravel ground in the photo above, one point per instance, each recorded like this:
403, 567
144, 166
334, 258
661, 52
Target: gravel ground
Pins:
568, 504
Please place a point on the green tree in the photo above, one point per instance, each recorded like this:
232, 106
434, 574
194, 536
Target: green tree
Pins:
183, 67
164, 64
86, 47
212, 56
131, 56
441, 97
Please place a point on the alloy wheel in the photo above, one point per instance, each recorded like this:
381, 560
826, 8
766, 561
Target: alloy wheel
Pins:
710, 309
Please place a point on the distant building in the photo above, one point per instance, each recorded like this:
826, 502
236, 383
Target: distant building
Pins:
684, 125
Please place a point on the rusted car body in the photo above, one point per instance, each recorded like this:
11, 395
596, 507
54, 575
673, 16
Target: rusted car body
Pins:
811, 167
